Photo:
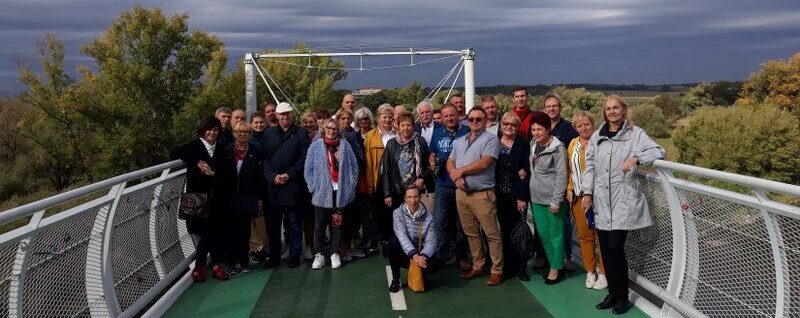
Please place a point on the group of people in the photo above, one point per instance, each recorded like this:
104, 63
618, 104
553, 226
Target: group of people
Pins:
446, 183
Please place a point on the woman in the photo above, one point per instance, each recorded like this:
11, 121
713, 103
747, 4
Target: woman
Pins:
548, 166
614, 192
412, 223
331, 173
345, 119
364, 121
576, 157
258, 124
404, 162
512, 191
245, 182
309, 122
203, 160
375, 142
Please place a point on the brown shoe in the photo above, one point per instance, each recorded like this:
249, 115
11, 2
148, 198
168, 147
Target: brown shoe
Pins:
495, 279
464, 265
472, 274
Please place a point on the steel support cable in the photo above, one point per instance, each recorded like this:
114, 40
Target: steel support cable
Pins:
460, 70
444, 80
280, 89
255, 63
278, 86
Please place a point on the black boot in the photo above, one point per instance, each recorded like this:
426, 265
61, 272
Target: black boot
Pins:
395, 286
607, 303
522, 273
621, 307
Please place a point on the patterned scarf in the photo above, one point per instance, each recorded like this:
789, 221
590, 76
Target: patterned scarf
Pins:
331, 146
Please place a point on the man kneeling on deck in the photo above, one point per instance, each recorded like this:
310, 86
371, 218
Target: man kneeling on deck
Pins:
414, 240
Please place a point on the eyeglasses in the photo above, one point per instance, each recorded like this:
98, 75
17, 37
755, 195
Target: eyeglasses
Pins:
363, 119
509, 124
332, 128
475, 119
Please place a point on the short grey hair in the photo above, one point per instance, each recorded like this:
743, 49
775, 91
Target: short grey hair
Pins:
221, 110
362, 112
424, 103
385, 108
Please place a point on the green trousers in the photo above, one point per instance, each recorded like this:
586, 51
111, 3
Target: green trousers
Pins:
551, 231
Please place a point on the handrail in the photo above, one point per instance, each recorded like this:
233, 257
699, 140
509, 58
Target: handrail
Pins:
769, 185
44, 204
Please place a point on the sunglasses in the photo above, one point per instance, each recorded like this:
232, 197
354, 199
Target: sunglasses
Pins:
364, 119
475, 119
509, 124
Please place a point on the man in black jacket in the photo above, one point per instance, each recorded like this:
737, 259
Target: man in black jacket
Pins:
284, 148
225, 133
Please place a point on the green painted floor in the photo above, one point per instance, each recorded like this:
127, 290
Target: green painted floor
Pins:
359, 289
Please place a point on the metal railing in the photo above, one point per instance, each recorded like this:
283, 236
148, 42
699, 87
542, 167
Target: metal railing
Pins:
715, 252
108, 257
710, 252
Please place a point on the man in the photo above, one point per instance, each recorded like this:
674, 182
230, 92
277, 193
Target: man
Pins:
397, 110
349, 102
489, 105
284, 149
269, 114
458, 101
471, 166
225, 133
426, 125
520, 101
444, 205
565, 132
237, 116
437, 116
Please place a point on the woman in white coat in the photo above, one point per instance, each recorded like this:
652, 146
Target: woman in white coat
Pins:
612, 189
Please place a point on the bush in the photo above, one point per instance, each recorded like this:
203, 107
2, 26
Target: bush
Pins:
759, 141
650, 118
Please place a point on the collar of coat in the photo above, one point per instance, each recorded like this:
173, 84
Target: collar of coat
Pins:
622, 133
421, 211
554, 144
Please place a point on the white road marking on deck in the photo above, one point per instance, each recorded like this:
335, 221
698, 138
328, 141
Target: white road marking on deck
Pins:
398, 298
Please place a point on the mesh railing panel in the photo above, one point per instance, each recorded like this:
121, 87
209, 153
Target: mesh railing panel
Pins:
790, 247
133, 268
6, 265
169, 242
731, 274
56, 271
649, 250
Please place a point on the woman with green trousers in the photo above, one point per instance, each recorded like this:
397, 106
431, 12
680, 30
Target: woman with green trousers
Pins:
548, 163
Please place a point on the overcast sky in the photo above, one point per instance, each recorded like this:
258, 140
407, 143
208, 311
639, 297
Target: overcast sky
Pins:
529, 42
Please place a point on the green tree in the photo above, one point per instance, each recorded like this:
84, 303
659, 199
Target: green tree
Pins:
412, 95
759, 141
150, 66
55, 125
697, 97
651, 119
669, 106
576, 99
725, 93
777, 83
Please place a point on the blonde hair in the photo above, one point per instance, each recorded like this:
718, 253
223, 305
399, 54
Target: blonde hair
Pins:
242, 125
584, 114
344, 111
510, 115
618, 99
385, 109
307, 115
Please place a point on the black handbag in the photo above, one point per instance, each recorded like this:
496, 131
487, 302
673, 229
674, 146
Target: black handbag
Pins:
522, 240
194, 206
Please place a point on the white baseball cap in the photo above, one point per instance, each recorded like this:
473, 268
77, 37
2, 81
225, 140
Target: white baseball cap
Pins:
284, 107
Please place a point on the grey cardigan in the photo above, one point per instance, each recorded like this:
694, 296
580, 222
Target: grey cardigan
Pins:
548, 173
618, 198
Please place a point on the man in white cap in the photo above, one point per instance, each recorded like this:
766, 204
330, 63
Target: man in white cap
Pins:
284, 149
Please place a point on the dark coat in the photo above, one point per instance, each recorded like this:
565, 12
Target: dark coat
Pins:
564, 132
357, 144
284, 152
247, 185
225, 138
418, 128
197, 182
520, 153
390, 173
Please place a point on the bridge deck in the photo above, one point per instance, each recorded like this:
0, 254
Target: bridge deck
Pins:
359, 289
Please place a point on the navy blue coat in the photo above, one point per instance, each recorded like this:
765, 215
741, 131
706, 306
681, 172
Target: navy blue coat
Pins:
418, 128
246, 185
520, 153
284, 152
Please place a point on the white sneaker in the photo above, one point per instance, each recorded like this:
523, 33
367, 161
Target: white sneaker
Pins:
319, 261
601, 282
336, 261
590, 280
307, 254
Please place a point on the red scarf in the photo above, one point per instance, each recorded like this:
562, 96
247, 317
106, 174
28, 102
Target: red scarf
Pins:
331, 146
524, 116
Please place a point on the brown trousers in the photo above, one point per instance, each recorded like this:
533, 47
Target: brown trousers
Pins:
587, 240
478, 211
258, 234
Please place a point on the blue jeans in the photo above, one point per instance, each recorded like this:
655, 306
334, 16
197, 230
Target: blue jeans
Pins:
445, 213
275, 215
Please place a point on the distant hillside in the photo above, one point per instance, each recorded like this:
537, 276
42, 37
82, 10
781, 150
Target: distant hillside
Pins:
541, 89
